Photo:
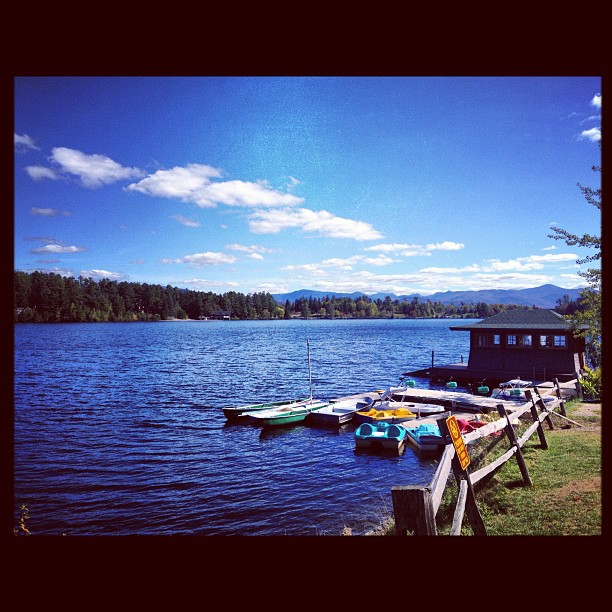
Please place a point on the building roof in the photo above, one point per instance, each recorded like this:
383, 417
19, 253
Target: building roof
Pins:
536, 318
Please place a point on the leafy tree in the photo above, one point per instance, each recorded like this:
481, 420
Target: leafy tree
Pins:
590, 297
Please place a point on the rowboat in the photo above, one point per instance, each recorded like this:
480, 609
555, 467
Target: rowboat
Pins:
387, 436
285, 415
426, 437
338, 413
374, 415
232, 413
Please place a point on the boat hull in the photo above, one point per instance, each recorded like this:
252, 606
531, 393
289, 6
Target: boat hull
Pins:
235, 412
284, 415
337, 413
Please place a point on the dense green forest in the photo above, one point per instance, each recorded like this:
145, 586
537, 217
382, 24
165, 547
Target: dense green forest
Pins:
52, 298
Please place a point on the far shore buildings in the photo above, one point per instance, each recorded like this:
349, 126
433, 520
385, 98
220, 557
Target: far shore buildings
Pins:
535, 345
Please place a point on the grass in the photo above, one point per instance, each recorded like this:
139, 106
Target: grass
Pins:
565, 496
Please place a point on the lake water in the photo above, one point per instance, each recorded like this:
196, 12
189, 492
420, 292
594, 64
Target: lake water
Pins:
118, 428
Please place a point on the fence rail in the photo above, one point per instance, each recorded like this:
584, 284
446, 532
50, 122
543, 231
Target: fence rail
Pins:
415, 507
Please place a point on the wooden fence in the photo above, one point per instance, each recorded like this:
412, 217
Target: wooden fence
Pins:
415, 507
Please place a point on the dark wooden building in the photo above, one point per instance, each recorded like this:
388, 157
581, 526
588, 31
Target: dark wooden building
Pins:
536, 345
531, 344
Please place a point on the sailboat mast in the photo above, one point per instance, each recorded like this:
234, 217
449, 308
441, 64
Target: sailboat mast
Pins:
309, 372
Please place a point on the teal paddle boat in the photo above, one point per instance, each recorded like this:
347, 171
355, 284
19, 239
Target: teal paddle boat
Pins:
426, 437
387, 436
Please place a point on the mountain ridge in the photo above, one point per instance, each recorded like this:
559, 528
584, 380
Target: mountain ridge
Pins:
544, 296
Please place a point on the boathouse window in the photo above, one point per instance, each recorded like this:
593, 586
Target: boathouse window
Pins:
553, 342
482, 340
511, 340
524, 340
559, 341
496, 340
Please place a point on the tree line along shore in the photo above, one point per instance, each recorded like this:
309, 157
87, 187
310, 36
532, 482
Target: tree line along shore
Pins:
52, 298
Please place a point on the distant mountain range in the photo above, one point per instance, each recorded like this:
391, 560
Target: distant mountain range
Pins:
545, 296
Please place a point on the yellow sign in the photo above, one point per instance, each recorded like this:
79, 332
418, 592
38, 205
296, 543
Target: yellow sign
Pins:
455, 433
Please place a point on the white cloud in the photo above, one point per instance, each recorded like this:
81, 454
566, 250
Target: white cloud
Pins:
100, 274
532, 262
445, 246
321, 222
58, 248
292, 182
256, 256
552, 247
24, 142
202, 283
342, 264
248, 249
185, 221
192, 183
49, 212
594, 134
177, 183
93, 170
203, 259
40, 172
596, 101
414, 250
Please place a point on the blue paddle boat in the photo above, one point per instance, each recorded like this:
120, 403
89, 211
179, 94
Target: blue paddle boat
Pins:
426, 437
387, 436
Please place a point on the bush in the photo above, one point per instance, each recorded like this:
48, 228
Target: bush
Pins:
591, 383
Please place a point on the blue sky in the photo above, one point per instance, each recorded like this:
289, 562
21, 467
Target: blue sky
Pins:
393, 184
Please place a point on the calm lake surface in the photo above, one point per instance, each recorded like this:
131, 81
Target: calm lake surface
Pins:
118, 428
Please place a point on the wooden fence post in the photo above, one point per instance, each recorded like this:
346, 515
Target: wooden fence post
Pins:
560, 397
543, 407
534, 416
471, 508
413, 511
512, 437
578, 385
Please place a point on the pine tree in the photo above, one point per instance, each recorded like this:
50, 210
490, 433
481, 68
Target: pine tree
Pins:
590, 297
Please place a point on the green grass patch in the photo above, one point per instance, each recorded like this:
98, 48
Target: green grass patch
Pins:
565, 496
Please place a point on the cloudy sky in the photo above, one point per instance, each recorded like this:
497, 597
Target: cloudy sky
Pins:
373, 184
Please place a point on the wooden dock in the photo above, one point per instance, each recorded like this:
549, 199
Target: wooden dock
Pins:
461, 402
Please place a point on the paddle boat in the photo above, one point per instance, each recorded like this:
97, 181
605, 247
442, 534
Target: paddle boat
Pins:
386, 436
426, 437
232, 413
287, 414
339, 413
374, 415
512, 389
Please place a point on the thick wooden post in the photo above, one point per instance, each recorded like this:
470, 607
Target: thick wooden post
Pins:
471, 508
535, 417
560, 397
413, 511
512, 437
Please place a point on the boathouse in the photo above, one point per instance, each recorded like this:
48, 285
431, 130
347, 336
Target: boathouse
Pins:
223, 315
536, 345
